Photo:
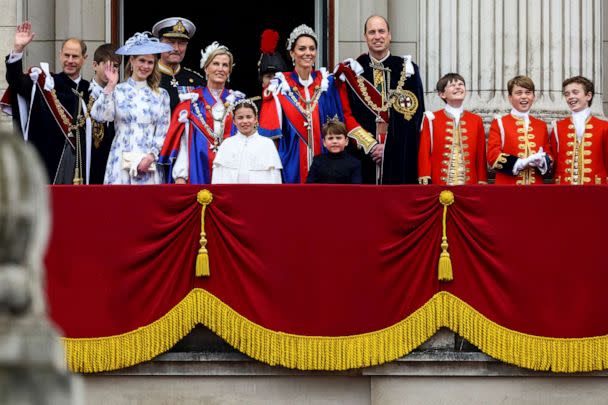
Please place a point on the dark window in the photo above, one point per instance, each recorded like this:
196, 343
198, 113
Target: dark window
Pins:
238, 25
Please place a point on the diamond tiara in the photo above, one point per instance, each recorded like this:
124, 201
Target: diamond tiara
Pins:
298, 32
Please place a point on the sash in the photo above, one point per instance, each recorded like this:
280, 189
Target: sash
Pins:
62, 117
360, 86
293, 113
298, 122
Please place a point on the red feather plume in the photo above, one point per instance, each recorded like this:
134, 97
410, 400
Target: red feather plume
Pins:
270, 39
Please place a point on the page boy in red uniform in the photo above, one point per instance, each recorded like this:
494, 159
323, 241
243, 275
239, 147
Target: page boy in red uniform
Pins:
518, 144
580, 142
452, 141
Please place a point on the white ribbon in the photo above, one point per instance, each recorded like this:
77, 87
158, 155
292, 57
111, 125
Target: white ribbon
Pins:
188, 96
409, 65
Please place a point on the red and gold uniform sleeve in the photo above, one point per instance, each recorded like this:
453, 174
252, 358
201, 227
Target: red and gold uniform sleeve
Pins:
481, 162
498, 160
554, 145
424, 152
543, 133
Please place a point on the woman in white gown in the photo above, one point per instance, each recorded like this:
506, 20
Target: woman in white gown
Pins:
247, 157
140, 111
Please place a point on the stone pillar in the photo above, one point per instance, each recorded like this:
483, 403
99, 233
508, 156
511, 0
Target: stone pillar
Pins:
402, 15
489, 42
350, 18
32, 362
84, 19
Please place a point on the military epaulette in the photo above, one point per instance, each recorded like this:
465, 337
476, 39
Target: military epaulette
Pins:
195, 72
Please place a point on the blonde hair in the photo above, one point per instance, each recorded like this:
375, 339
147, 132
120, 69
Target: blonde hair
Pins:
154, 78
219, 51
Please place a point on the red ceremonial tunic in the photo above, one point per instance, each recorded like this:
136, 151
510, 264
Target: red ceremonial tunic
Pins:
450, 153
504, 148
581, 162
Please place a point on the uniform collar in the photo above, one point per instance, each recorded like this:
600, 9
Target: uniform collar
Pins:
167, 70
521, 115
455, 112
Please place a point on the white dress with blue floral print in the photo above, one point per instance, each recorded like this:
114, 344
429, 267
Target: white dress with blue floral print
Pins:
141, 119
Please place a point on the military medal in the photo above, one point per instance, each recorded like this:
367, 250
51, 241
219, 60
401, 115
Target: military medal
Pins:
174, 82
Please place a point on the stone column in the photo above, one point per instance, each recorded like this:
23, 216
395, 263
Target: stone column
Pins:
84, 19
489, 42
32, 365
350, 18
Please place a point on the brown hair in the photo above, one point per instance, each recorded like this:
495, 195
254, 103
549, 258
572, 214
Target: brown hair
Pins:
586, 83
521, 81
246, 103
83, 45
333, 126
446, 79
154, 78
105, 53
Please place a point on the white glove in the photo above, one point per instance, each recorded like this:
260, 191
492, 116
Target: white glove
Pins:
538, 158
520, 165
540, 161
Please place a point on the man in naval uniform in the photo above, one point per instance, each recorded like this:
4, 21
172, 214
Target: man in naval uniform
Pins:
387, 99
175, 78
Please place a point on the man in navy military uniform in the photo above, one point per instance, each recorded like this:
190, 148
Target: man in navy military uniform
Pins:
175, 78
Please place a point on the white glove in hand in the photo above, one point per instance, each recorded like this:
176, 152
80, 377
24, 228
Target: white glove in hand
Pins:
540, 161
520, 165
537, 159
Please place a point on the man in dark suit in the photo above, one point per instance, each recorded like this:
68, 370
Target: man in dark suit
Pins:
52, 113
387, 99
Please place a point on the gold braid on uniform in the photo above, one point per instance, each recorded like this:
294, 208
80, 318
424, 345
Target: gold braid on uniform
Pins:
99, 129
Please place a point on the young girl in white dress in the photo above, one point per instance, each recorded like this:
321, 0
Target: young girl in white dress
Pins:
247, 157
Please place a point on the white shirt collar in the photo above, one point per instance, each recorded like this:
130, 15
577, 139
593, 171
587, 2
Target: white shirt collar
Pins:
374, 60
307, 82
455, 112
242, 136
521, 115
95, 88
579, 119
77, 80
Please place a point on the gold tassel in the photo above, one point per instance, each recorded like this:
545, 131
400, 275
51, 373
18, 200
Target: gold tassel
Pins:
446, 198
204, 198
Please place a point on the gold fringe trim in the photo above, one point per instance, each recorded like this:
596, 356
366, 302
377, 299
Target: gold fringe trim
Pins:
335, 353
93, 355
560, 355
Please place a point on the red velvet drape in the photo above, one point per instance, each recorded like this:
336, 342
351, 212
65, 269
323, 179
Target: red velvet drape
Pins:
329, 260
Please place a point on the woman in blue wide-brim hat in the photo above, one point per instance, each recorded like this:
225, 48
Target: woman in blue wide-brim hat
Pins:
140, 110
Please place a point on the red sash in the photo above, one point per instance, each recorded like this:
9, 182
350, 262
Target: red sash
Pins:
353, 82
298, 121
56, 110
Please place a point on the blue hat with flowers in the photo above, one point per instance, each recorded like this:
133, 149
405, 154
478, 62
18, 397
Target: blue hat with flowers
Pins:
142, 44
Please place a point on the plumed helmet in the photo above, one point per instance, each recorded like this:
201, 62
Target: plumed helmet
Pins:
270, 60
